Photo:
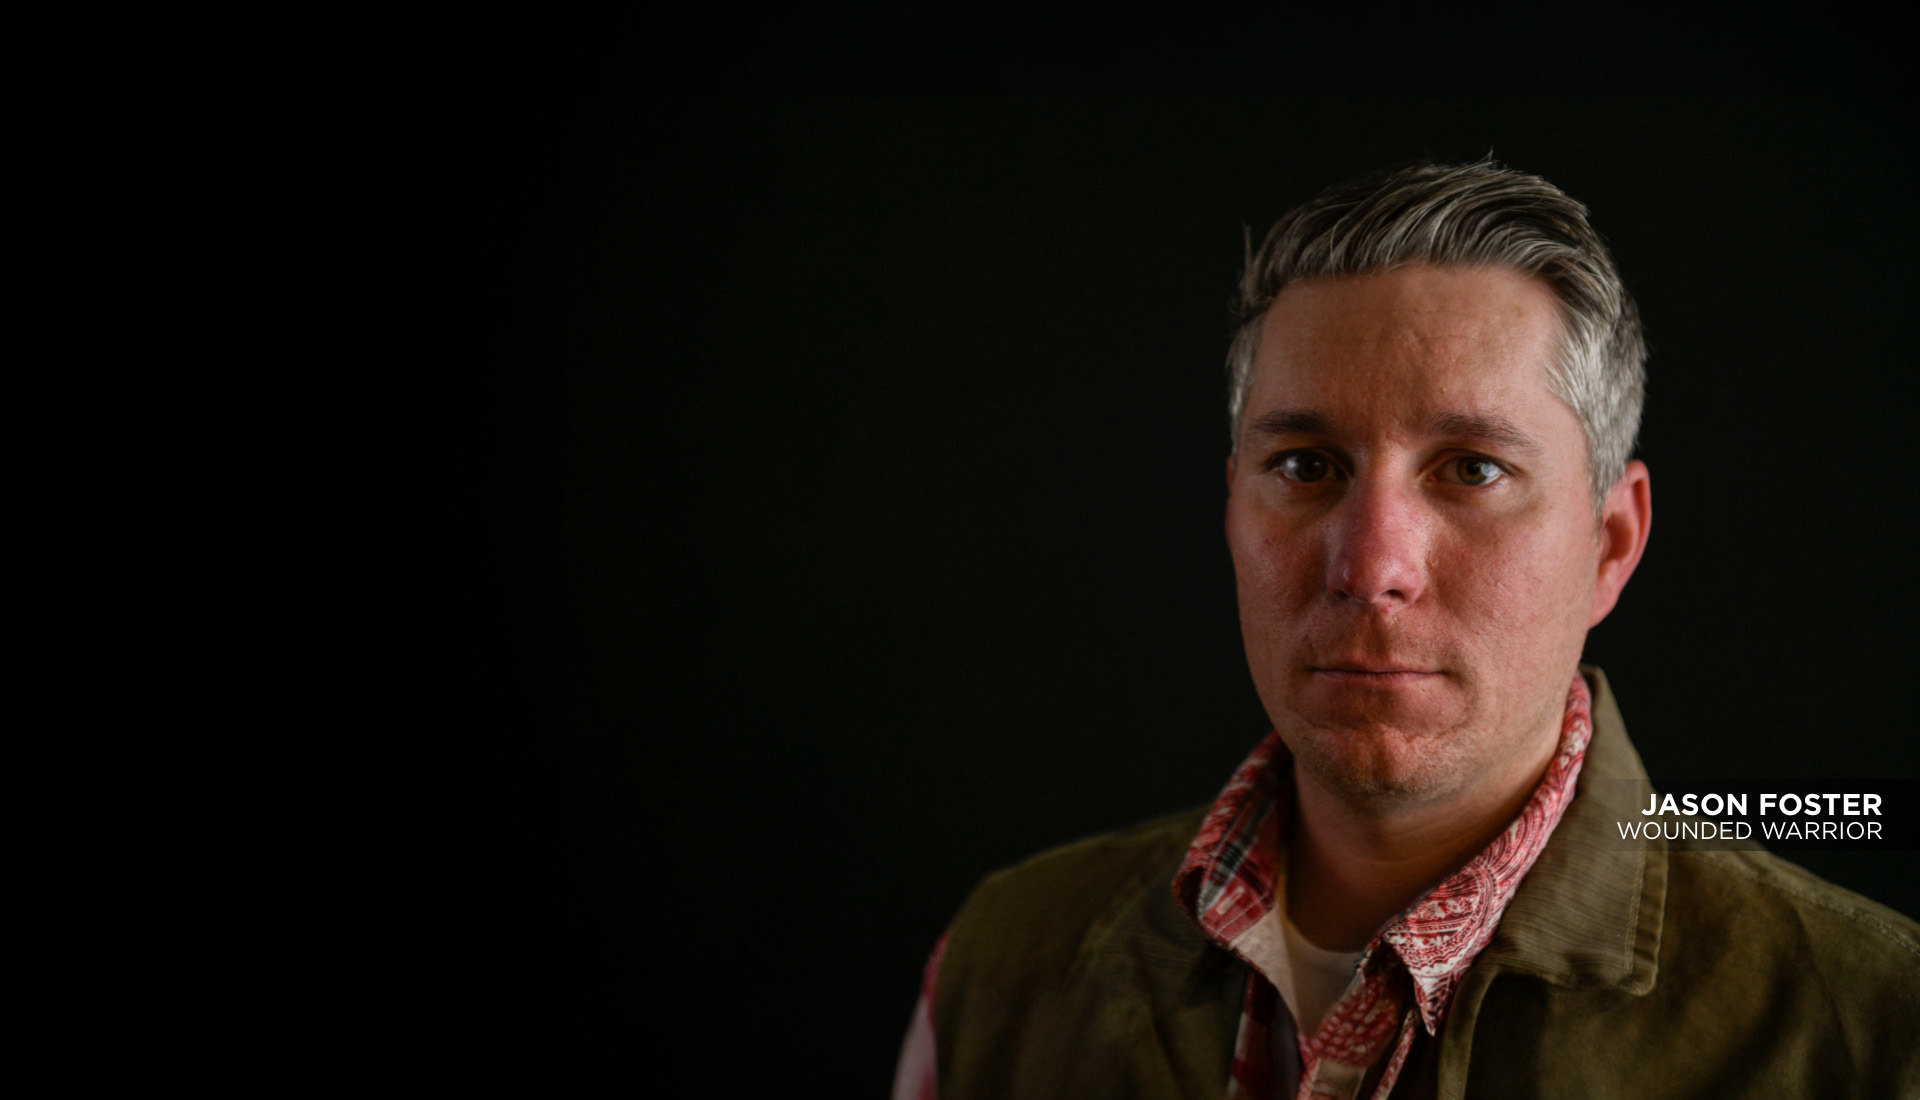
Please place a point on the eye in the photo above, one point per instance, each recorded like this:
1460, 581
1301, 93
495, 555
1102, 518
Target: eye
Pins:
1302, 466
1474, 470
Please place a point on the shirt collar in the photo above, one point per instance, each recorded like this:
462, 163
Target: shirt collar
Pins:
1227, 883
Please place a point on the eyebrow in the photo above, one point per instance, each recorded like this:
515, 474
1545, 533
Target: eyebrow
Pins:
1291, 422
1490, 427
1493, 428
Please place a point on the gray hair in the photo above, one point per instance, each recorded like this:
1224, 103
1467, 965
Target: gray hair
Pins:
1469, 215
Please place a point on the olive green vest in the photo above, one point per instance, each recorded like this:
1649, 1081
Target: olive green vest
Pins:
1617, 971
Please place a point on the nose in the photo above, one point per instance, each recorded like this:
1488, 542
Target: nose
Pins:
1380, 535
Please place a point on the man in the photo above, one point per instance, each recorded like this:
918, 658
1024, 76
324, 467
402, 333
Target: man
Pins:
1408, 888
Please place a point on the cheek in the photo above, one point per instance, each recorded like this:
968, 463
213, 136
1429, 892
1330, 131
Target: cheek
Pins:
1525, 591
1272, 564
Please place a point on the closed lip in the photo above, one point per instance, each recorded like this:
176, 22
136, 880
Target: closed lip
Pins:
1383, 671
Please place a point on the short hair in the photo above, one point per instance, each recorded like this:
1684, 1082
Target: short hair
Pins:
1469, 215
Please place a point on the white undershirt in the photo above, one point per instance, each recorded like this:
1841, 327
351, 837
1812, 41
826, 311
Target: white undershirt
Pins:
1314, 979
1319, 977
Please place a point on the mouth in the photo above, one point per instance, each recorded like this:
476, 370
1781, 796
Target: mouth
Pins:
1383, 675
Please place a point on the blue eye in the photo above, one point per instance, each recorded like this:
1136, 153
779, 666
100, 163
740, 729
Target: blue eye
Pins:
1478, 471
1303, 466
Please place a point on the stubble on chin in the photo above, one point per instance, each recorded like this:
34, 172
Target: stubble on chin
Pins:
1375, 765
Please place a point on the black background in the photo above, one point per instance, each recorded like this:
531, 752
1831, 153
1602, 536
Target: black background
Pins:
827, 495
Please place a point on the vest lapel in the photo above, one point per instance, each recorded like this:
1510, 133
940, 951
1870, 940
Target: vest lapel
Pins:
1589, 913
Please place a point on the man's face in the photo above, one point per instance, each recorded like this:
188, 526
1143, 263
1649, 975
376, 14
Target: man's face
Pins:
1412, 530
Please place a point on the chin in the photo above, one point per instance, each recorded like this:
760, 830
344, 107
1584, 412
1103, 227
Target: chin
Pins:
1371, 760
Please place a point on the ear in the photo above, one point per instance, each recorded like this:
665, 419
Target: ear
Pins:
1232, 460
1625, 521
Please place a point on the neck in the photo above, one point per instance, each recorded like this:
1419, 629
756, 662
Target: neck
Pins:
1351, 868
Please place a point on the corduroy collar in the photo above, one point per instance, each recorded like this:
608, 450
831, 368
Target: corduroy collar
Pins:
1590, 912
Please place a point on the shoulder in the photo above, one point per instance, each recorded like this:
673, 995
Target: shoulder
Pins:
1049, 900
1773, 904
1075, 973
1761, 946
1761, 979
1041, 910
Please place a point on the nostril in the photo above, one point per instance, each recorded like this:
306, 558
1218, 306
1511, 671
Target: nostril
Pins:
1376, 546
1382, 580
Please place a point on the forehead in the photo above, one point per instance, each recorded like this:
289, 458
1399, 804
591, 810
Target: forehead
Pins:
1406, 345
